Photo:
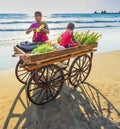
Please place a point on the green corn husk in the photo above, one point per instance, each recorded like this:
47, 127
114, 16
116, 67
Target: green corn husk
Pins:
76, 35
90, 39
87, 37
79, 38
58, 39
43, 48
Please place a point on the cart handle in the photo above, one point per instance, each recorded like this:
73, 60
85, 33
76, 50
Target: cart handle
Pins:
17, 55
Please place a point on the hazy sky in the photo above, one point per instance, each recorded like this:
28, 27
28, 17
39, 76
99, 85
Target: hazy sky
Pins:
59, 6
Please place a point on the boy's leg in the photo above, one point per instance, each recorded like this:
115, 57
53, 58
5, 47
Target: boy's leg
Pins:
73, 45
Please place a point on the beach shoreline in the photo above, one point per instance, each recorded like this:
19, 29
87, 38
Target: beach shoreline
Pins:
104, 76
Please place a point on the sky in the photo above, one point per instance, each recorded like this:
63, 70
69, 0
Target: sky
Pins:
58, 6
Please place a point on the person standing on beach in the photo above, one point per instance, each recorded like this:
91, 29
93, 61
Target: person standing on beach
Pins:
39, 28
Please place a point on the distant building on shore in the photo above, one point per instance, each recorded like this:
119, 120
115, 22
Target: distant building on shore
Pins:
105, 12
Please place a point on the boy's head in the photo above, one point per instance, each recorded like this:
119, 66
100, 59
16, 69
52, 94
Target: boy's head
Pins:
38, 16
70, 26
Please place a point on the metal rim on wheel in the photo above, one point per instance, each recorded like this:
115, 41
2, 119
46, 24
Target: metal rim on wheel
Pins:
45, 84
21, 73
80, 70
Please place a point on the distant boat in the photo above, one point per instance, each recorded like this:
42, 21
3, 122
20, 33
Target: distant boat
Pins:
105, 12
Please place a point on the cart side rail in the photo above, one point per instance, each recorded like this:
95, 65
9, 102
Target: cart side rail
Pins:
56, 55
60, 53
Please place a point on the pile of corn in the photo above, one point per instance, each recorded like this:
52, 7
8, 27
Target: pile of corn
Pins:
43, 48
85, 38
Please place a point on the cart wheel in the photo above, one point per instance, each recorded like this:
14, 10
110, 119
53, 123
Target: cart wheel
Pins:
21, 73
45, 84
80, 70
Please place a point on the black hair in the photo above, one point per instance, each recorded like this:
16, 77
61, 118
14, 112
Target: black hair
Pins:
38, 13
70, 26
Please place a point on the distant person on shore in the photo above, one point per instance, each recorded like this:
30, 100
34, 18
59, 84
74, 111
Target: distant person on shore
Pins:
39, 28
67, 38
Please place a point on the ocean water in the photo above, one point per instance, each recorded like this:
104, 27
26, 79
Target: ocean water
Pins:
13, 27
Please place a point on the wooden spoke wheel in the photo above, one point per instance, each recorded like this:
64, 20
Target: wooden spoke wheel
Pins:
45, 84
21, 73
80, 70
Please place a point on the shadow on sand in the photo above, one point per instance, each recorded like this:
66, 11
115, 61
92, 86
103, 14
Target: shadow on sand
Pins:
84, 107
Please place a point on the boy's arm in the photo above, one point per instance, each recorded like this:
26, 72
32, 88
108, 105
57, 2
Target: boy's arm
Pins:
73, 39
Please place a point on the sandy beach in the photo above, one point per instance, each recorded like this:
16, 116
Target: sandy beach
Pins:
73, 109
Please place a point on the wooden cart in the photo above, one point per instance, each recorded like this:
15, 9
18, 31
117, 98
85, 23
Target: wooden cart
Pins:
43, 75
